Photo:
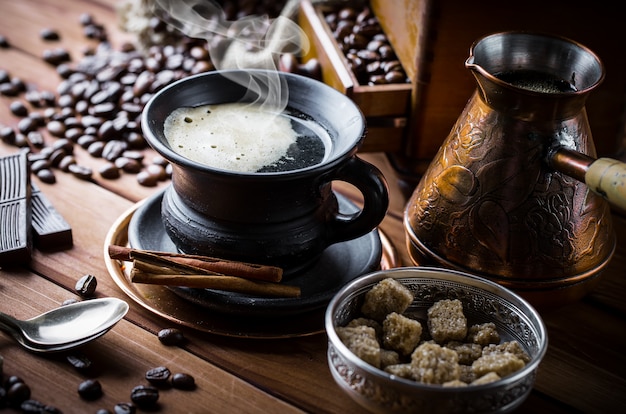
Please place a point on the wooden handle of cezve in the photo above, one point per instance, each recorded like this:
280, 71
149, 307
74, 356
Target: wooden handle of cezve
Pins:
604, 176
607, 177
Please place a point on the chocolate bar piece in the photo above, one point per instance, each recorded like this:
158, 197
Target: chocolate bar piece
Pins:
15, 210
51, 231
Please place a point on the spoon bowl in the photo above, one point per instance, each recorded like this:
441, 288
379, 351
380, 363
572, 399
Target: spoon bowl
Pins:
67, 325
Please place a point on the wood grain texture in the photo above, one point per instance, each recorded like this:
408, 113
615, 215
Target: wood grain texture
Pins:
584, 370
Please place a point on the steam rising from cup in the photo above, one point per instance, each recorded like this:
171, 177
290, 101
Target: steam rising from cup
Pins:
253, 42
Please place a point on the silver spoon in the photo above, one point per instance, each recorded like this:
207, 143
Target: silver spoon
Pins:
46, 348
67, 324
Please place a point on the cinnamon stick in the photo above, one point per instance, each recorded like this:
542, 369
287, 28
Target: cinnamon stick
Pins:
218, 282
210, 264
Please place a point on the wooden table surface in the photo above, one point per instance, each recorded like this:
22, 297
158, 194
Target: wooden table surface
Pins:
584, 369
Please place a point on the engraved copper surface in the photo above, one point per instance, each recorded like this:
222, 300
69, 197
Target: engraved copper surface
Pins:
491, 204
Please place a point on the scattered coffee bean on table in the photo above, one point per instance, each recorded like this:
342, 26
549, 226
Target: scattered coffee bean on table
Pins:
79, 361
144, 396
124, 408
158, 376
49, 34
86, 285
37, 407
171, 336
90, 389
183, 381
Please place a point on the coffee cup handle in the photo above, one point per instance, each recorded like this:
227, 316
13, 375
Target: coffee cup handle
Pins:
370, 181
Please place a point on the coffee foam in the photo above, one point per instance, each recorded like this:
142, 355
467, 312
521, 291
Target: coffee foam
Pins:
234, 136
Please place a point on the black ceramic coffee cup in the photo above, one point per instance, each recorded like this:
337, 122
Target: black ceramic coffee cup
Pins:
284, 219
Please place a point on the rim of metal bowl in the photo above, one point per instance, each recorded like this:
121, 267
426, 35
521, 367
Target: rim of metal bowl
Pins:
525, 309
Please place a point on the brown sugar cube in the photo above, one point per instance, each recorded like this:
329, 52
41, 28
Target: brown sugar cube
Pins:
503, 364
434, 364
400, 370
446, 321
468, 353
400, 333
486, 379
467, 374
361, 340
367, 322
512, 347
455, 383
388, 357
483, 334
385, 297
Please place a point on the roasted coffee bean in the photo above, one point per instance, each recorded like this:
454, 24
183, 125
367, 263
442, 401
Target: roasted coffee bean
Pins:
80, 171
20, 141
146, 179
86, 140
18, 108
158, 376
124, 408
56, 56
79, 361
17, 392
128, 165
95, 148
56, 128
8, 89
85, 19
48, 98
26, 125
171, 336
12, 379
4, 76
74, 133
133, 155
49, 34
19, 84
114, 149
46, 175
39, 164
66, 101
37, 118
90, 389
35, 138
158, 171
37, 407
64, 164
91, 121
31, 406
144, 396
106, 131
105, 109
7, 134
86, 285
109, 171
183, 381
72, 122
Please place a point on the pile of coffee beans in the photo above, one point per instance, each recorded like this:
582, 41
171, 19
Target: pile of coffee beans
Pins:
365, 46
100, 97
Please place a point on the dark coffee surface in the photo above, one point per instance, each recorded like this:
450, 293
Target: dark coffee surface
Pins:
536, 81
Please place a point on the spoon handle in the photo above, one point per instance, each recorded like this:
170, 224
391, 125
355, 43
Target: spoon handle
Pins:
8, 322
15, 333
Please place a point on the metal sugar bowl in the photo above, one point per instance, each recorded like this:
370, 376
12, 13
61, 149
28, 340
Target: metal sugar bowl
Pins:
515, 193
